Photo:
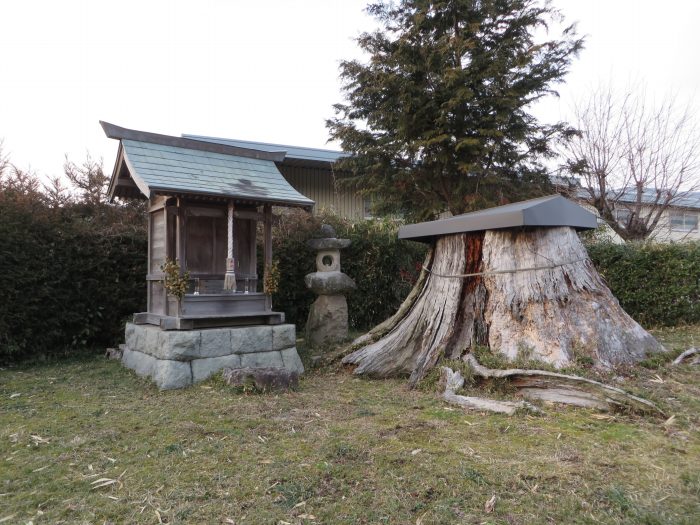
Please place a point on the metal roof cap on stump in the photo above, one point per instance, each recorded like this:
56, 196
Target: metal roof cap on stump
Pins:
551, 211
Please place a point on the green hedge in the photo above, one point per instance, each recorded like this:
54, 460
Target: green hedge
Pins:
72, 275
657, 284
67, 282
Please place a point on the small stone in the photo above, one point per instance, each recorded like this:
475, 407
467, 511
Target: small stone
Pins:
327, 230
113, 353
263, 379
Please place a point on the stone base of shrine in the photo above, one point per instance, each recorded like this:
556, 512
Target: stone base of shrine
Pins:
176, 359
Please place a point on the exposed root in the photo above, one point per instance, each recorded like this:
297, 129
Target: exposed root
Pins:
562, 388
384, 328
453, 381
690, 352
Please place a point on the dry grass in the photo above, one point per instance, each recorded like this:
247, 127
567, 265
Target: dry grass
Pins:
88, 442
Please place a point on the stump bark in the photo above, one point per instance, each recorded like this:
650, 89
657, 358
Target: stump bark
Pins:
528, 292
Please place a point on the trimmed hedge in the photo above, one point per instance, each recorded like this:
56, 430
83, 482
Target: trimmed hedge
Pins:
657, 284
72, 275
67, 282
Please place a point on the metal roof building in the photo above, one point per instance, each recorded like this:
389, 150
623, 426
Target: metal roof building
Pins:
293, 153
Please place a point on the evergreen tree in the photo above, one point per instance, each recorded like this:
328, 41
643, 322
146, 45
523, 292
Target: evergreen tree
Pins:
438, 117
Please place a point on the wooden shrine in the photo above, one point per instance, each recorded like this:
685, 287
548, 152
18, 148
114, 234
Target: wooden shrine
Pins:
205, 202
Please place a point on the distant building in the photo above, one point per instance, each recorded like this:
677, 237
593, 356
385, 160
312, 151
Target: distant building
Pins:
678, 223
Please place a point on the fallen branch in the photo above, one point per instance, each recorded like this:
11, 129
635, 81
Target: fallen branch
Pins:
685, 355
562, 388
453, 381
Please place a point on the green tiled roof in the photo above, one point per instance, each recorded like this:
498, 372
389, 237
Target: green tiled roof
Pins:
173, 169
163, 164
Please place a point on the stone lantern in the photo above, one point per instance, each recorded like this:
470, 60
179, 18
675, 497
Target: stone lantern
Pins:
328, 317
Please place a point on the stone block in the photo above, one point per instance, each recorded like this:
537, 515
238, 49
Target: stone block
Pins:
142, 364
169, 374
131, 333
251, 339
329, 283
262, 360
283, 336
180, 345
204, 368
292, 361
328, 244
328, 321
149, 341
215, 342
176, 359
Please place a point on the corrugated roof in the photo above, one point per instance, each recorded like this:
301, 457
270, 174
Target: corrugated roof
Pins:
684, 199
158, 163
689, 199
293, 152
551, 211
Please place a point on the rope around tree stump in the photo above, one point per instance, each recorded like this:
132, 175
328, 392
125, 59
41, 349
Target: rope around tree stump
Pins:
498, 272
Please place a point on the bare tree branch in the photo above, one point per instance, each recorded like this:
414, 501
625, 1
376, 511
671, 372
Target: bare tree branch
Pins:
89, 178
635, 160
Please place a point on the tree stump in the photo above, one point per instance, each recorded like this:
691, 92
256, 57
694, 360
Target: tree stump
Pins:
531, 292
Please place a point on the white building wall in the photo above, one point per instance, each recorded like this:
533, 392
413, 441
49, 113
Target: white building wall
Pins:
664, 232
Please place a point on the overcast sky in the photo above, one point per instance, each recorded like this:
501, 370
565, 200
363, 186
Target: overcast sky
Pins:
265, 70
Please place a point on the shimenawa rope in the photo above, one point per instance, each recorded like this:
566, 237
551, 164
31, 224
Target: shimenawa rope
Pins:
498, 272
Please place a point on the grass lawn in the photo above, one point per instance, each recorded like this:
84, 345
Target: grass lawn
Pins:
338, 450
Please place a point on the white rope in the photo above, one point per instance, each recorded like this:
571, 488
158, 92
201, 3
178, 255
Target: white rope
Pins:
499, 272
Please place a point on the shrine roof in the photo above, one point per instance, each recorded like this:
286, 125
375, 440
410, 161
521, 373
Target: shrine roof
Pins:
150, 163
